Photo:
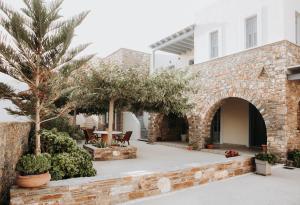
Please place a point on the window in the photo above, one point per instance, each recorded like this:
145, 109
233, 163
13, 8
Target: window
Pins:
214, 44
251, 32
298, 28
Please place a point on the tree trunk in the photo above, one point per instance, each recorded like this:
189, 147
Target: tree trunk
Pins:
37, 128
74, 118
37, 115
110, 120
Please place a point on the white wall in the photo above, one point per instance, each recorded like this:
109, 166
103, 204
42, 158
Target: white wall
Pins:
235, 122
290, 8
131, 123
164, 60
18, 86
276, 21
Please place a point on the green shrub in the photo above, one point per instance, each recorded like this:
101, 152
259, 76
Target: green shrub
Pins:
271, 158
68, 160
62, 124
70, 165
34, 164
297, 158
54, 142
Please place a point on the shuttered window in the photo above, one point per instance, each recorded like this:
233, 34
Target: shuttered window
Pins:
214, 44
298, 28
251, 32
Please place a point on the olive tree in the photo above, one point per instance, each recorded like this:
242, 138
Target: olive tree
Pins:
107, 86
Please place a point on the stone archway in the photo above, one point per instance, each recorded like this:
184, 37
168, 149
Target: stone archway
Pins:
241, 122
201, 130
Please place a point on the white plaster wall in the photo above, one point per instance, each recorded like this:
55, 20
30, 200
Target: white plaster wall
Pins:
163, 60
131, 123
18, 86
235, 122
290, 9
276, 21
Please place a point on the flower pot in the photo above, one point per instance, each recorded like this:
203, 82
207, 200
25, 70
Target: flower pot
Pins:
210, 146
183, 137
33, 181
263, 167
190, 148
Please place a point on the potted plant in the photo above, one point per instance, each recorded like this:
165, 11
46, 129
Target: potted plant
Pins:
263, 163
33, 170
209, 144
231, 153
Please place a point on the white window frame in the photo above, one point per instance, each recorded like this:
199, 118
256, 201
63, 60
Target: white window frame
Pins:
257, 32
211, 54
297, 31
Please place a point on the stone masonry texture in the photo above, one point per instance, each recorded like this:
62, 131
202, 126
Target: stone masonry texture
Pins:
13, 142
119, 190
111, 153
257, 75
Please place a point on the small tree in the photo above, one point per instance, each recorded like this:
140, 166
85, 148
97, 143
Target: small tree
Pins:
110, 86
36, 52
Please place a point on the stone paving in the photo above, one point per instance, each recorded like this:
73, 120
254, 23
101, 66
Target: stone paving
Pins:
282, 188
154, 157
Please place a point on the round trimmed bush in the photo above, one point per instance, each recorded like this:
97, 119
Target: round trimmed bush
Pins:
34, 164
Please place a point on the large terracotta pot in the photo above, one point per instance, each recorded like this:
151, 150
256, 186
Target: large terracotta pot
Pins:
33, 181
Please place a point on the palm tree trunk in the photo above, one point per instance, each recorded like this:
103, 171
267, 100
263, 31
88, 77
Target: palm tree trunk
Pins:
110, 120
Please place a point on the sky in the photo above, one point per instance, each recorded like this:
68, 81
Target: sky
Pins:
134, 24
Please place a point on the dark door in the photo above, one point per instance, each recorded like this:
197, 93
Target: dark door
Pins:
257, 128
216, 127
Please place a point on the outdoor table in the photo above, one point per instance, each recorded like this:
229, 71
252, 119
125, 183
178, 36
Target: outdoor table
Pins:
100, 133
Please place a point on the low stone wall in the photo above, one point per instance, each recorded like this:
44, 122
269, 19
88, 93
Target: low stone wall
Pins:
111, 153
13, 142
118, 190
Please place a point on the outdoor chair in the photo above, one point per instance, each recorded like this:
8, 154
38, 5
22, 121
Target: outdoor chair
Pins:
124, 138
89, 135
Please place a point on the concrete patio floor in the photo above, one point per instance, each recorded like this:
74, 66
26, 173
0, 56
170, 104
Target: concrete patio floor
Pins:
282, 188
154, 157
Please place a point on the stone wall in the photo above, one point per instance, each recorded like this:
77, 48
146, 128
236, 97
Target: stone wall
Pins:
128, 58
119, 190
258, 76
111, 153
13, 142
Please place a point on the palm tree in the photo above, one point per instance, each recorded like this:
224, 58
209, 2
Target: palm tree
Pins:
35, 50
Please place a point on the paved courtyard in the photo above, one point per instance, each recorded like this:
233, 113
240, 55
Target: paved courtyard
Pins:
282, 188
156, 158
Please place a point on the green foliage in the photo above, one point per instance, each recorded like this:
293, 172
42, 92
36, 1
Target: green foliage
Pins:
132, 90
68, 160
62, 124
54, 142
34, 49
295, 157
100, 144
70, 165
271, 158
34, 164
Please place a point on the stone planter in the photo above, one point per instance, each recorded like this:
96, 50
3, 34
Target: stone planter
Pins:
33, 181
111, 153
263, 167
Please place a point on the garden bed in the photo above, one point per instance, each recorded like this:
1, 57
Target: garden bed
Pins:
111, 153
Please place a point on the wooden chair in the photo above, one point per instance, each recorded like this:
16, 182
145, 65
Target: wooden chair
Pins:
124, 138
89, 135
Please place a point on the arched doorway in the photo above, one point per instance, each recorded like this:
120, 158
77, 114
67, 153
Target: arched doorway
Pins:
173, 127
238, 122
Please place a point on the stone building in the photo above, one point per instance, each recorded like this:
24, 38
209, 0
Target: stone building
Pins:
247, 69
